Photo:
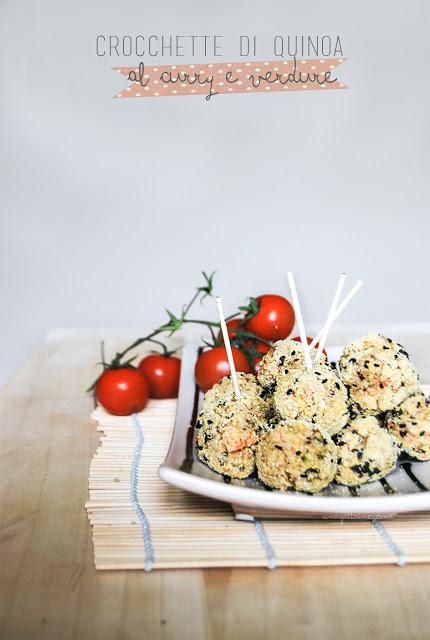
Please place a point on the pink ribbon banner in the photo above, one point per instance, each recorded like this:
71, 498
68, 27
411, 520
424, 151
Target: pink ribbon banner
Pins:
230, 77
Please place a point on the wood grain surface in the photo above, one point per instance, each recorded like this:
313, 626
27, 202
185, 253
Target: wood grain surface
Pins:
50, 589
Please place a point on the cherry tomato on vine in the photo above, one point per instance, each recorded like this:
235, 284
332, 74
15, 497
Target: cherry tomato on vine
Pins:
212, 366
122, 391
162, 374
261, 348
274, 320
232, 325
309, 340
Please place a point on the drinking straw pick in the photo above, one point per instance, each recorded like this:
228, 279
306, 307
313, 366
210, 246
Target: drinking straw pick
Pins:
228, 347
333, 307
337, 313
297, 311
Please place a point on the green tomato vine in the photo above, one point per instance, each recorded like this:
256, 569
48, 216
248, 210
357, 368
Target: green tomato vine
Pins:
243, 339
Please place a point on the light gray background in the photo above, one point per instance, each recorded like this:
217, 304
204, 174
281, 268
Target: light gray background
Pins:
110, 208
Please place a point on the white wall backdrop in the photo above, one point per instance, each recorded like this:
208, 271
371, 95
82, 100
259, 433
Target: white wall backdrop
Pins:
110, 208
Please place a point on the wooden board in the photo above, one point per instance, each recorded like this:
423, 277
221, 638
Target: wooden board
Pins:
51, 591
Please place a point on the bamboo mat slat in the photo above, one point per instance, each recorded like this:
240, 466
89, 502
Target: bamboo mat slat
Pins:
190, 531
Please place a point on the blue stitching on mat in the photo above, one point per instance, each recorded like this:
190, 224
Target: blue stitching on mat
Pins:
134, 476
401, 558
265, 543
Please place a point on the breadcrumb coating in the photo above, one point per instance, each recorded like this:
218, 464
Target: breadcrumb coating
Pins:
378, 379
296, 455
284, 356
318, 396
366, 451
409, 424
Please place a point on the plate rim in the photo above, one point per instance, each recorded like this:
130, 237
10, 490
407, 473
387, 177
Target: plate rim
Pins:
284, 501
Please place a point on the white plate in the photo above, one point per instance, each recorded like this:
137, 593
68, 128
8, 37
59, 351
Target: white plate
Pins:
410, 482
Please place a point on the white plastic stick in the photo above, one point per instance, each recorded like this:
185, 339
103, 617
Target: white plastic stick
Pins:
333, 307
228, 347
297, 311
337, 313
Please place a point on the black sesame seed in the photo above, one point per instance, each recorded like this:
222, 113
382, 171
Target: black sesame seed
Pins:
308, 471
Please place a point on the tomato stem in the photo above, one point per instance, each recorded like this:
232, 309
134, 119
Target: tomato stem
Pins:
207, 323
176, 322
135, 344
173, 324
166, 353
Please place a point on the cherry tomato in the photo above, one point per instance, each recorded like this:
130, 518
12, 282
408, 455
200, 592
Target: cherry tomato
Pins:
309, 340
260, 347
232, 325
122, 391
263, 349
162, 374
213, 365
274, 320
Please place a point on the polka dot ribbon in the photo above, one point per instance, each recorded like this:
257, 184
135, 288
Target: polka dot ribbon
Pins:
212, 79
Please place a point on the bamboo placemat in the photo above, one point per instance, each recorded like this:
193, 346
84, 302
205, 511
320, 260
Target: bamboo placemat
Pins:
164, 527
